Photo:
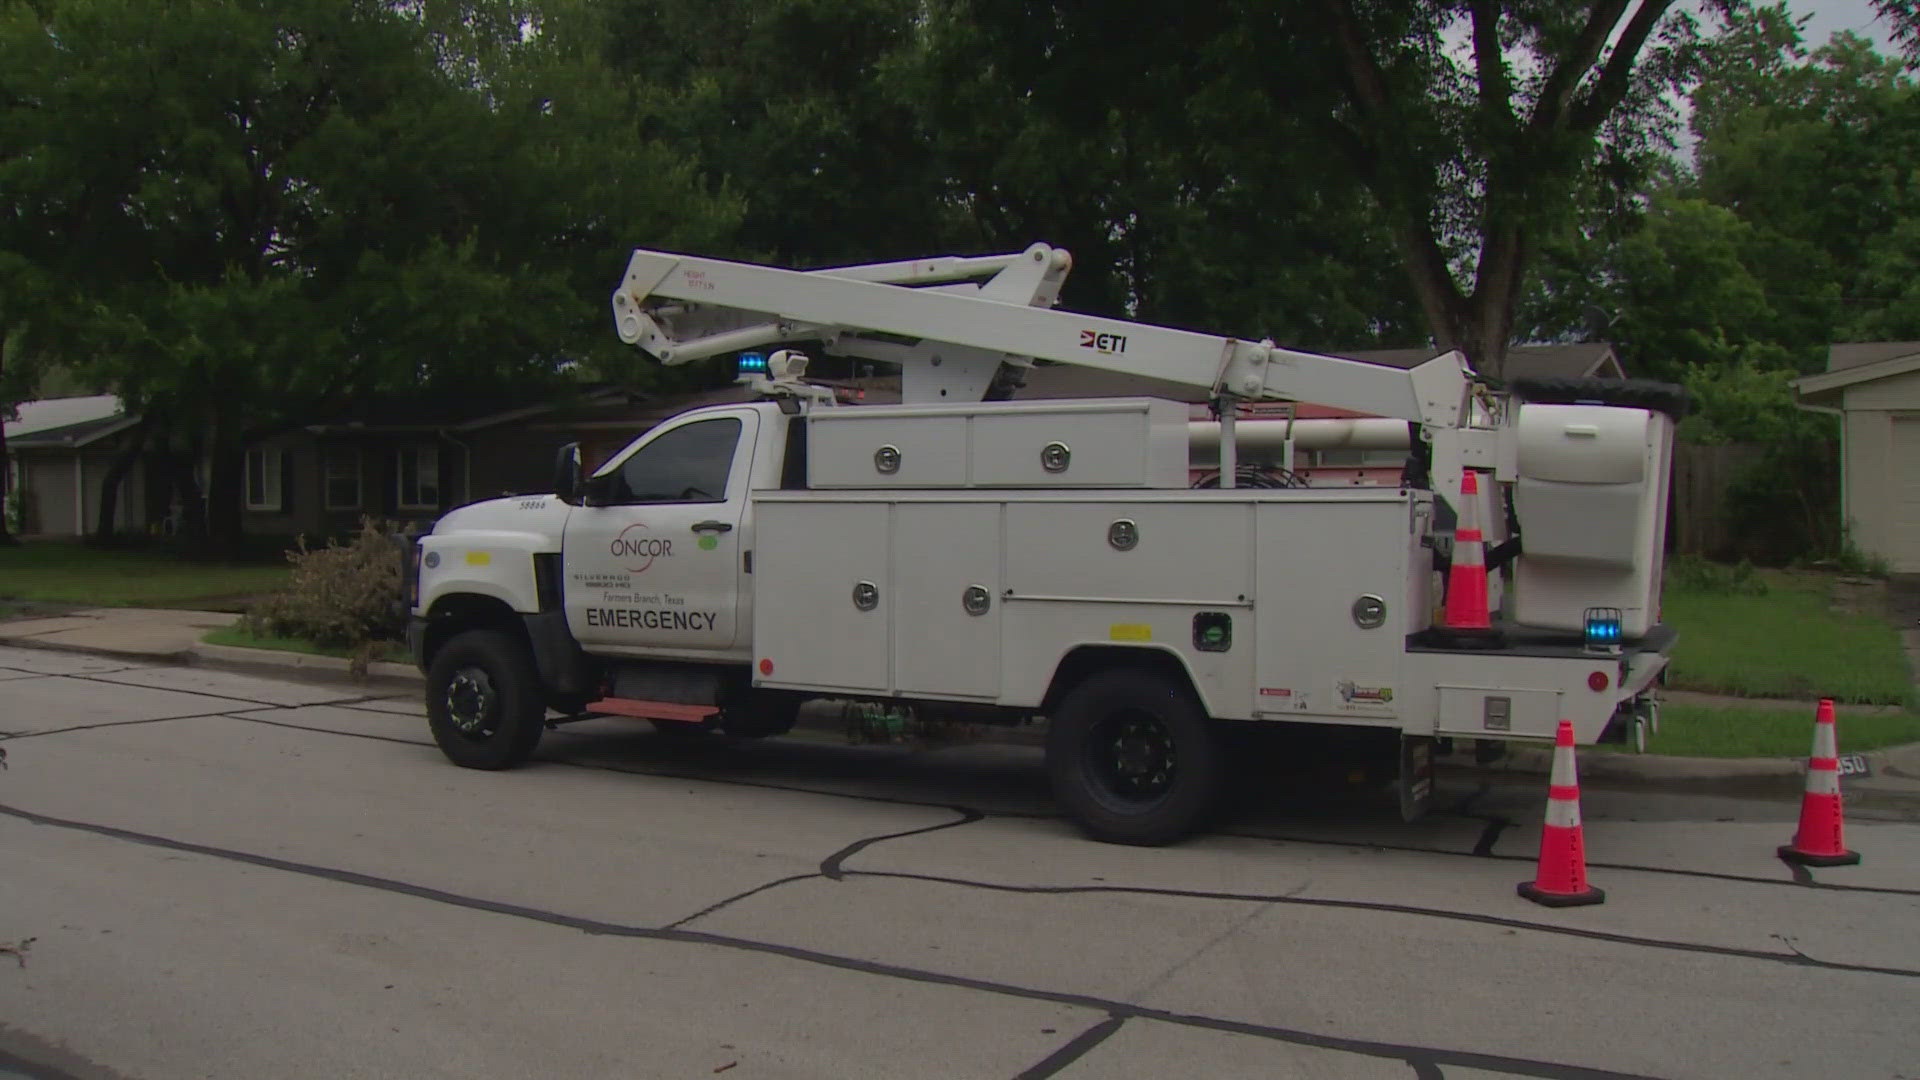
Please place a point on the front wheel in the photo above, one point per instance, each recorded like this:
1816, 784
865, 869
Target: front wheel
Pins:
1132, 758
484, 701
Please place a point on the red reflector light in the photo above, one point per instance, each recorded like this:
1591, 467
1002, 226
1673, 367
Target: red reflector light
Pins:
1597, 681
766, 667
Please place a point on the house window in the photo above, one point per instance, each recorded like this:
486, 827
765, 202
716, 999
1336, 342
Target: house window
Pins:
263, 479
342, 480
419, 473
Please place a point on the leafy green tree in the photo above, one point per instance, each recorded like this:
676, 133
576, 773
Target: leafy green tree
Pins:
1130, 134
782, 105
1486, 130
1818, 151
274, 209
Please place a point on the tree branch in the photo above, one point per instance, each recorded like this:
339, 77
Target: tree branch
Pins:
1366, 84
1496, 86
1407, 210
1565, 79
1617, 76
1440, 297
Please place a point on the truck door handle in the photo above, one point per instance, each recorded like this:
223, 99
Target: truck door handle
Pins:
712, 526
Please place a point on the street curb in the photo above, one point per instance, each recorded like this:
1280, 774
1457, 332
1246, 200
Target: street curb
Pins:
1603, 766
181, 656
237, 656
1520, 761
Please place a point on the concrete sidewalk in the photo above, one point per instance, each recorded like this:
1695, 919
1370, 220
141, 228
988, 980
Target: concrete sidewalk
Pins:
132, 633
173, 637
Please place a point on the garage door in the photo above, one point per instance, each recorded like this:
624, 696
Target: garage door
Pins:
1904, 493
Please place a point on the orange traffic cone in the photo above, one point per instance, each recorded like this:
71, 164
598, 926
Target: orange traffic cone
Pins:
1561, 880
1819, 841
1465, 619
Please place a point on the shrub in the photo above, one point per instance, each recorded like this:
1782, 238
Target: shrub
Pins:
1692, 574
1850, 559
342, 596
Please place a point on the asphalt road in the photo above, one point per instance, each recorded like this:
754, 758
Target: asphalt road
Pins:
229, 876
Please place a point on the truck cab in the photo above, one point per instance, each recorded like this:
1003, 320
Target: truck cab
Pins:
637, 575
659, 544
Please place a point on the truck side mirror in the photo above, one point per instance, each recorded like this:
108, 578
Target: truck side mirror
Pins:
566, 474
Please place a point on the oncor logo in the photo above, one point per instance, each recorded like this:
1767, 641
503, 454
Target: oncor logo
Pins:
634, 543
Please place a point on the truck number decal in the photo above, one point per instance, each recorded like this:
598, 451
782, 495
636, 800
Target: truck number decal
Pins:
646, 619
1103, 343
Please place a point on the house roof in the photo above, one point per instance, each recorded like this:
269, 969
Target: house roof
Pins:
66, 423
38, 416
1586, 359
1852, 363
1854, 354
459, 411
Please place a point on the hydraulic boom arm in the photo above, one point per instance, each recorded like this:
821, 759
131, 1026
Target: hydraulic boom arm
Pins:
925, 316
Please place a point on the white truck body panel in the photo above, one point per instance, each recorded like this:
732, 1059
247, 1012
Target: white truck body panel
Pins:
1109, 443
487, 548
1285, 566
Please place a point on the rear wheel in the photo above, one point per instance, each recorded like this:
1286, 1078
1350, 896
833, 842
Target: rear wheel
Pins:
484, 701
1132, 758
761, 714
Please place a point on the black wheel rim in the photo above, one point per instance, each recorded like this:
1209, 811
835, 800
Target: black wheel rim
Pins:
1131, 759
473, 703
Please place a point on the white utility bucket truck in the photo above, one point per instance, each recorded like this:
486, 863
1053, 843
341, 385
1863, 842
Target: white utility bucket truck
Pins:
1028, 560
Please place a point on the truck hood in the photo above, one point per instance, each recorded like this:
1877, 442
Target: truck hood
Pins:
540, 514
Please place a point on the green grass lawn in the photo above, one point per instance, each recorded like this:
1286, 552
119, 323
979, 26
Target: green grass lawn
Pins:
1704, 731
69, 573
1785, 644
241, 638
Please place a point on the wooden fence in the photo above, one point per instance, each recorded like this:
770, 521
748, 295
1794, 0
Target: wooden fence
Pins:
1697, 521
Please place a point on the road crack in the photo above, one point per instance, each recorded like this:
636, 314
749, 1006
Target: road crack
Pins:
737, 897
1796, 959
830, 867
18, 949
1075, 1049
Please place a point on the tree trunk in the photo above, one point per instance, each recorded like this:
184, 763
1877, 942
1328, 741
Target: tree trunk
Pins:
123, 463
6, 537
225, 478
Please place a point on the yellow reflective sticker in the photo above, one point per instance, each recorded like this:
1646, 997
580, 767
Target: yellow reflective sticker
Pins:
478, 558
1130, 632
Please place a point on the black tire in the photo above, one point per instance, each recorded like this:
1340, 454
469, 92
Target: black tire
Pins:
484, 701
1133, 759
1628, 393
761, 714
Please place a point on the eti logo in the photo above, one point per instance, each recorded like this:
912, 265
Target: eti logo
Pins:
1103, 343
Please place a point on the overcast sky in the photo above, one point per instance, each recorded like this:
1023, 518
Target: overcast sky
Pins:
1833, 15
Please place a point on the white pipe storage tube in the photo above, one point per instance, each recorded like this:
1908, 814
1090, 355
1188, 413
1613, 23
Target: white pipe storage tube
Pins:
1203, 436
